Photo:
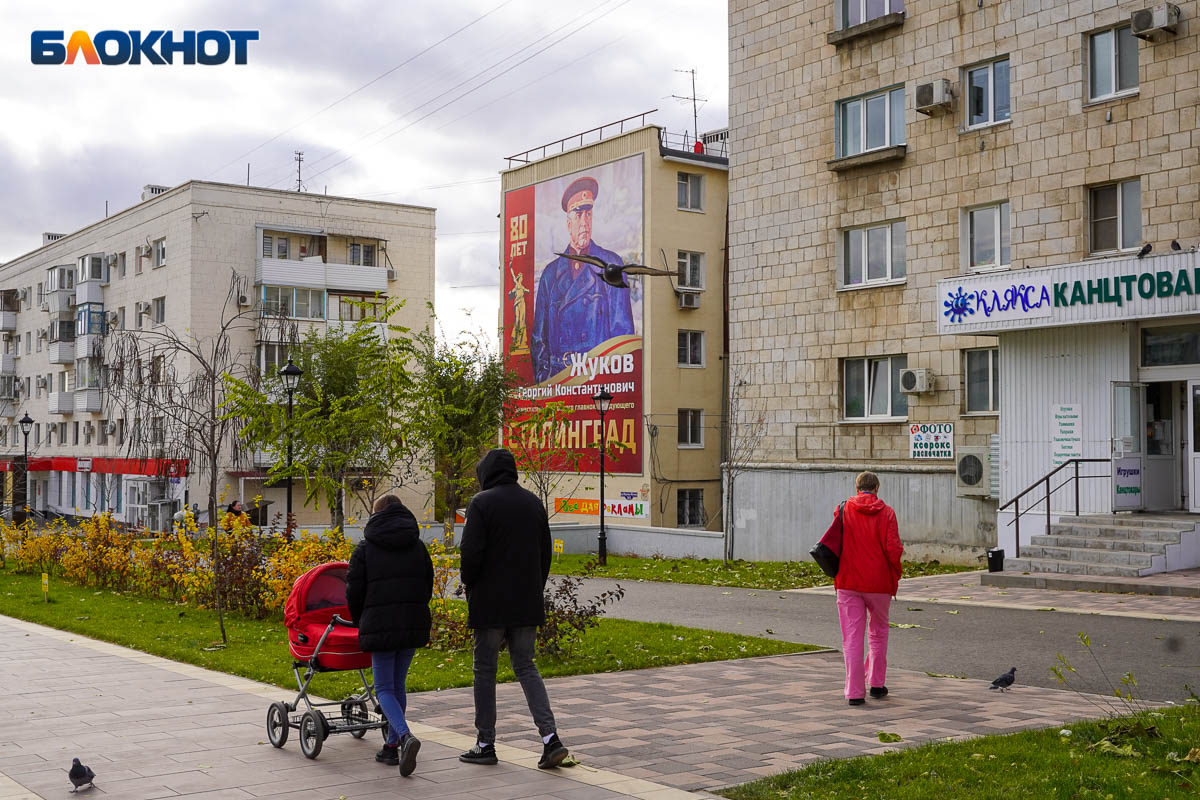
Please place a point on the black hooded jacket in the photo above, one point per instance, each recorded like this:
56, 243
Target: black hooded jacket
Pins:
505, 549
389, 583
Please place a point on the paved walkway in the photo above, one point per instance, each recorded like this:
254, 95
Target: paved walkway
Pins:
963, 588
152, 728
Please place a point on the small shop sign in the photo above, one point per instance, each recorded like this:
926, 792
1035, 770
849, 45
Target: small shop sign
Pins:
1066, 433
931, 440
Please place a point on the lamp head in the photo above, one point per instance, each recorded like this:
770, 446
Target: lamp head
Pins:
291, 376
26, 423
602, 401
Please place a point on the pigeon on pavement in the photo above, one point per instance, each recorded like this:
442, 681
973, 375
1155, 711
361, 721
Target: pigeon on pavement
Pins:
80, 775
614, 274
1004, 681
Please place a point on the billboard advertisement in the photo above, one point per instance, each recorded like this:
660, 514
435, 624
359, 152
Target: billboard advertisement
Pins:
567, 333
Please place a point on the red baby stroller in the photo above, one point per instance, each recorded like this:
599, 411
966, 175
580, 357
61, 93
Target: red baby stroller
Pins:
321, 640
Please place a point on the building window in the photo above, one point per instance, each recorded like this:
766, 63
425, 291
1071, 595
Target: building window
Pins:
1116, 216
356, 254
277, 300
691, 191
41, 293
271, 358
160, 252
310, 303
987, 94
873, 255
158, 310
158, 430
691, 348
982, 370
102, 431
690, 508
870, 123
28, 342
122, 264
691, 270
355, 307
91, 268
1112, 63
121, 318
856, 12
691, 427
281, 247
268, 246
988, 237
872, 388
88, 372
368, 255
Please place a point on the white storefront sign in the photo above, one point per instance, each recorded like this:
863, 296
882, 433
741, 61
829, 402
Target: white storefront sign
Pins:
1066, 433
931, 440
1128, 483
1102, 290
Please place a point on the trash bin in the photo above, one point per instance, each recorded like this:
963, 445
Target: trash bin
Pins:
995, 558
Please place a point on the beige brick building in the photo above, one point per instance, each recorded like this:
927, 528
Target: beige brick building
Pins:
169, 261
1063, 138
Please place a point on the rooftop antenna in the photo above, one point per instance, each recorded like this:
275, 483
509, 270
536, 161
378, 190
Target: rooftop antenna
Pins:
694, 99
299, 161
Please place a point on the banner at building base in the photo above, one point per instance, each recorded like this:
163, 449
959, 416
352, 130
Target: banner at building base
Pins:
635, 509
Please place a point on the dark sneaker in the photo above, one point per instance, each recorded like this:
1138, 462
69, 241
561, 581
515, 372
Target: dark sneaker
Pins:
390, 755
479, 755
878, 692
409, 747
857, 701
553, 754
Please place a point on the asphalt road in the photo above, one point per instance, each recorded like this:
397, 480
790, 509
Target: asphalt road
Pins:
978, 642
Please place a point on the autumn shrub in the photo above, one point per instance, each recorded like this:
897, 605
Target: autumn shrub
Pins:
450, 630
97, 553
568, 615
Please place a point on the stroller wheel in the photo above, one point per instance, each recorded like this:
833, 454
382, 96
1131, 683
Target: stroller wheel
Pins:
277, 724
312, 733
355, 713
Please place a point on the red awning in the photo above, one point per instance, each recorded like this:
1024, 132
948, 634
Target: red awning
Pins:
154, 467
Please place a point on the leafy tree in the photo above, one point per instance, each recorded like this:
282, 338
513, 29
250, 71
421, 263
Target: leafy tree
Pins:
461, 390
350, 425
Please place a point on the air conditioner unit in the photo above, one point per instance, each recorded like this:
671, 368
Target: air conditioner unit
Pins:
111, 319
916, 381
391, 275
972, 472
72, 302
1162, 18
41, 381
111, 259
142, 307
110, 428
243, 300
144, 250
6, 336
24, 296
934, 96
688, 299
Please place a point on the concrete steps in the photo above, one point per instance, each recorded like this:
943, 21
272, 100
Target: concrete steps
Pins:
1117, 545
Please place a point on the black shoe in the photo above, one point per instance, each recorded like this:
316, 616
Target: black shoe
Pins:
878, 692
409, 747
479, 755
857, 701
390, 755
553, 754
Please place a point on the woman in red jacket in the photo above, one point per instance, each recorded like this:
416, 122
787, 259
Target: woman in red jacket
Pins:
867, 580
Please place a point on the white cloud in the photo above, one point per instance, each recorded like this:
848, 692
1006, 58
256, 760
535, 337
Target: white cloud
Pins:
76, 136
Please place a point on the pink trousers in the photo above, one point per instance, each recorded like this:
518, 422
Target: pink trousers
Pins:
853, 608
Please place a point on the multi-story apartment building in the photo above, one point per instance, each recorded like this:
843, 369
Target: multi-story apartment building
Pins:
170, 262
640, 196
925, 188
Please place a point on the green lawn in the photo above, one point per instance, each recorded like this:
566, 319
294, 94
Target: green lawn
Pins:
1033, 764
713, 572
258, 648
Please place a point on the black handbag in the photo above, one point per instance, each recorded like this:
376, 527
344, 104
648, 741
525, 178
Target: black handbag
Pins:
826, 557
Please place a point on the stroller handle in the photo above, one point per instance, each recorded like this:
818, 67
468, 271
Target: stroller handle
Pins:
337, 620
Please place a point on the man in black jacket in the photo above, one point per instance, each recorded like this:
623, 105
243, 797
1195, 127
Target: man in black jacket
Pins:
505, 559
388, 586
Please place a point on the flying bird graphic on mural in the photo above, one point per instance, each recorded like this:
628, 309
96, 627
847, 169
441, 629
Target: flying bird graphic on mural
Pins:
614, 274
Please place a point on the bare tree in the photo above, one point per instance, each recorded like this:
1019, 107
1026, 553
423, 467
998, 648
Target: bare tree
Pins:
745, 428
170, 382
537, 438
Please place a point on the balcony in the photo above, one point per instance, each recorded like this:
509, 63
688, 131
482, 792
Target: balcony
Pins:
345, 326
8, 320
315, 274
8, 364
62, 352
89, 292
62, 403
88, 401
60, 301
8, 408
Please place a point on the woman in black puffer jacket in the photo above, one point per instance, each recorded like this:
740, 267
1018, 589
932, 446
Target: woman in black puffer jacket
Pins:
388, 587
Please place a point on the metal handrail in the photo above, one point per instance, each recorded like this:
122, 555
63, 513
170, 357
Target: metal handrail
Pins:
1045, 479
526, 157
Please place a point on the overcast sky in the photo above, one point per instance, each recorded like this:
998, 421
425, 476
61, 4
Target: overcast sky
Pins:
433, 132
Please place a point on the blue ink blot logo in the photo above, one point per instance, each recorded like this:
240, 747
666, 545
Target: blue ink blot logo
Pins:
958, 306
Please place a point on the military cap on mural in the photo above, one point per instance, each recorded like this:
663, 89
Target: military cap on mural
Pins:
580, 194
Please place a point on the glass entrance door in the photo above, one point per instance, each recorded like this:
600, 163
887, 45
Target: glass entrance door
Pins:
1193, 445
1128, 452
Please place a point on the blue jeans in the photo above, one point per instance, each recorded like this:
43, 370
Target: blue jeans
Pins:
390, 671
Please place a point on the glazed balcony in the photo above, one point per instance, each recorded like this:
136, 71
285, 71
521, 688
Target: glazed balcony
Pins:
62, 403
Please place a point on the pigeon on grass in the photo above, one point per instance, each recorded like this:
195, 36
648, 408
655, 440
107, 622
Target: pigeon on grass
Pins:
81, 775
1005, 681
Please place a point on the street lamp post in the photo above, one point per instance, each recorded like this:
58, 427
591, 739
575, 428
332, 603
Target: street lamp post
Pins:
291, 380
26, 423
602, 401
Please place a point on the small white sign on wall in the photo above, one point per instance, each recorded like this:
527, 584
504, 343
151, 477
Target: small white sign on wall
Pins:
931, 440
1066, 433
